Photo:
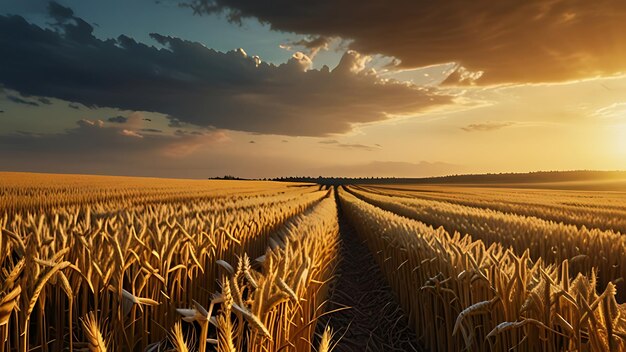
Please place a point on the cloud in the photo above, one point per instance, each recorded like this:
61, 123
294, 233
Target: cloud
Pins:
74, 106
357, 146
18, 100
59, 13
487, 126
614, 111
90, 123
460, 75
129, 133
510, 41
93, 148
193, 84
312, 44
94, 138
118, 119
365, 147
390, 169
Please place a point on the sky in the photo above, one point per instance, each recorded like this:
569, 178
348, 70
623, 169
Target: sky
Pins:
256, 89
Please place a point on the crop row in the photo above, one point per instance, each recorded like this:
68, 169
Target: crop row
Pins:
461, 294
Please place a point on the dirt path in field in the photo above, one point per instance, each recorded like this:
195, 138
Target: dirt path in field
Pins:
375, 322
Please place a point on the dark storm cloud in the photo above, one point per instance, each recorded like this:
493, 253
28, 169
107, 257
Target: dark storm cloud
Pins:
193, 84
59, 13
486, 126
511, 41
44, 101
118, 119
19, 100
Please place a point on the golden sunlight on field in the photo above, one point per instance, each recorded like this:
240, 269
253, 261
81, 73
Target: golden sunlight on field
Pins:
139, 264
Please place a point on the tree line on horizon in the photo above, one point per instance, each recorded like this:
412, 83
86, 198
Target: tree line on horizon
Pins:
509, 177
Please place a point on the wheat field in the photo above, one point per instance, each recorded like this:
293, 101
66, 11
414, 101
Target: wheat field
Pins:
94, 263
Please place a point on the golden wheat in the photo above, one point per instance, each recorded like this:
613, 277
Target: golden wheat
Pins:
138, 264
461, 294
602, 210
287, 295
132, 251
550, 241
91, 328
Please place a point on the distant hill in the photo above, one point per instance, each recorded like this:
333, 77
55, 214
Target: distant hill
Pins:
530, 177
540, 177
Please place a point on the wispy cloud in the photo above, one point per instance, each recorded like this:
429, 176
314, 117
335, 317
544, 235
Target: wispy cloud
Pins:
130, 133
356, 146
487, 126
313, 45
616, 111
